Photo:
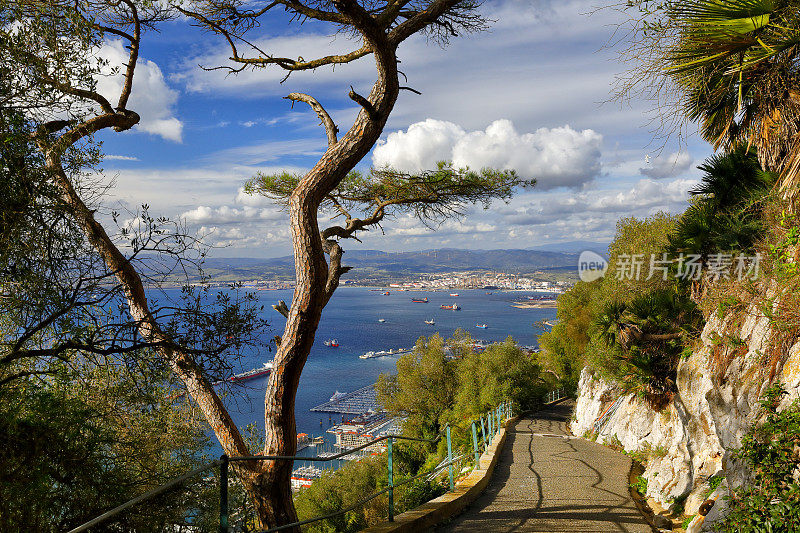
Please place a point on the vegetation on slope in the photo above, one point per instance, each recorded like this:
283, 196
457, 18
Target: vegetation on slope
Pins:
431, 390
634, 324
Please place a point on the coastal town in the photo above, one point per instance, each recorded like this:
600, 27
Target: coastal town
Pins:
439, 282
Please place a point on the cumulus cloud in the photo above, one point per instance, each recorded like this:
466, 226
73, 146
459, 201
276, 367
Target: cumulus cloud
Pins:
668, 166
556, 157
151, 98
252, 200
227, 215
241, 238
644, 197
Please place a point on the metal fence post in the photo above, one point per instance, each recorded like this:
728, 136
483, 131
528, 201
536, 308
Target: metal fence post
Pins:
483, 434
489, 423
223, 493
475, 447
391, 480
450, 459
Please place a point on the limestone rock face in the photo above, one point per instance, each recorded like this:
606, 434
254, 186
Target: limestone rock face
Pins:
717, 401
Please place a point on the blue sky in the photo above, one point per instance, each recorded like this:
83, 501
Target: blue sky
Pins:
528, 94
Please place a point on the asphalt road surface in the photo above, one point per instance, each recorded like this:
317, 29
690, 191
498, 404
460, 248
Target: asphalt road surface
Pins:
546, 480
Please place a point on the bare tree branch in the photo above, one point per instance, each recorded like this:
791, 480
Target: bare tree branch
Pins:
324, 117
363, 102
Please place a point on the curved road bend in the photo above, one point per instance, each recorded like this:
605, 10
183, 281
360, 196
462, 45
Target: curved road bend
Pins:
545, 481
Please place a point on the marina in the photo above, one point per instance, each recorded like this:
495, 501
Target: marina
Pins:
352, 319
354, 403
383, 353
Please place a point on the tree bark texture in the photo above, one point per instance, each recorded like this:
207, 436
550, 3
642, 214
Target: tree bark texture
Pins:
313, 289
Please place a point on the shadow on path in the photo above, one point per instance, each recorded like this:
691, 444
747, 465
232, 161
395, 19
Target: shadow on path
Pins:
546, 482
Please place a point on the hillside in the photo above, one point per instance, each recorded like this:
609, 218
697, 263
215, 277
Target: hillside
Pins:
376, 264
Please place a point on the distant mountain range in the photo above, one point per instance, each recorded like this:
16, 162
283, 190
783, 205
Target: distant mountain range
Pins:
374, 263
574, 247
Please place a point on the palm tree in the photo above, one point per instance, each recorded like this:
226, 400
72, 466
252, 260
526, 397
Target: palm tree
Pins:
724, 216
732, 179
736, 62
646, 337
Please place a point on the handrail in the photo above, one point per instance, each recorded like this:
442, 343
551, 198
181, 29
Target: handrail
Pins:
146, 496
502, 411
555, 395
331, 458
437, 468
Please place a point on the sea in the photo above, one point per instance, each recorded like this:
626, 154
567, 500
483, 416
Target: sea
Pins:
352, 318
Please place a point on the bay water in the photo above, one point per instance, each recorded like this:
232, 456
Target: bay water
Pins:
352, 318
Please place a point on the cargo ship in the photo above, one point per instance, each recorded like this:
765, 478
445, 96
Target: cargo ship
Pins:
453, 307
420, 300
254, 373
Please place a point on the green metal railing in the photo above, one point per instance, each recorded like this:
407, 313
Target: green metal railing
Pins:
555, 395
489, 428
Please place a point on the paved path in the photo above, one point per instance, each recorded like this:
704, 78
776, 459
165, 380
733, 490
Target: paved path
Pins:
553, 483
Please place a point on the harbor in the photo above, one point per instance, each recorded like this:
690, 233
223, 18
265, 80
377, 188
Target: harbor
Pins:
354, 403
337, 385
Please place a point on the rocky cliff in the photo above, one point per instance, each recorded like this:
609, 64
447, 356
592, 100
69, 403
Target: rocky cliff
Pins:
688, 445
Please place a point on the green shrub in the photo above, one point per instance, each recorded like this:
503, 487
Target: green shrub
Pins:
640, 485
772, 501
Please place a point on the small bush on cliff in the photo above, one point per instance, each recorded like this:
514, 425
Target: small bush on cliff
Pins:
772, 448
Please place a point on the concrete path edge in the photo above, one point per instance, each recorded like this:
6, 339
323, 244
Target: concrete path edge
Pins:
453, 503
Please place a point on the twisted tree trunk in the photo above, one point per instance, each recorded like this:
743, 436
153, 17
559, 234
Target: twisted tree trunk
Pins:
315, 283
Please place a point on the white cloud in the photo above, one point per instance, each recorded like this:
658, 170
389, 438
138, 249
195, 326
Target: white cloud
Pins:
642, 198
252, 200
556, 157
150, 97
668, 166
111, 157
227, 215
420, 147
